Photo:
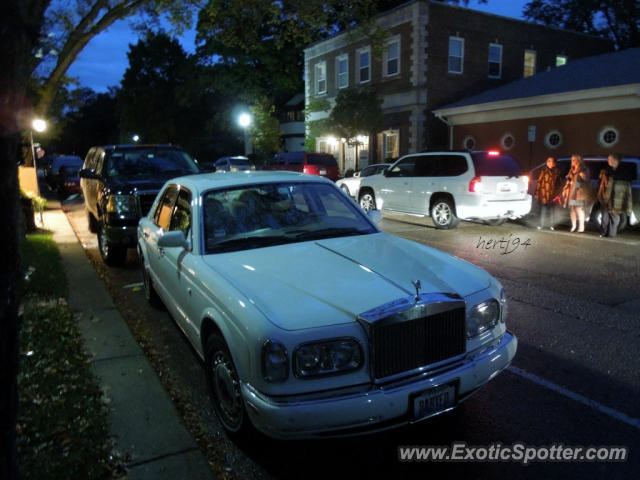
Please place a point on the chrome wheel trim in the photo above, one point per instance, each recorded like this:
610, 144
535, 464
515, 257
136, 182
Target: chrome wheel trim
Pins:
103, 241
366, 202
442, 214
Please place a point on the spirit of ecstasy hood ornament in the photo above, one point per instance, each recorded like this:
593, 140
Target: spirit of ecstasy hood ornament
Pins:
418, 286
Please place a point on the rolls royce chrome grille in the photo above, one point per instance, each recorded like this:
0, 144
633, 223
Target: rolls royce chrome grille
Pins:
409, 334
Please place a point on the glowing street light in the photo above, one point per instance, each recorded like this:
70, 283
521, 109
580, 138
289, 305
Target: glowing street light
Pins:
135, 138
39, 125
244, 120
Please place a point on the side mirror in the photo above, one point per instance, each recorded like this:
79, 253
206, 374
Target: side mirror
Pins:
386, 172
375, 216
173, 239
356, 174
88, 173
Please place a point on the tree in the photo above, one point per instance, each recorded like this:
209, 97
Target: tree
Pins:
358, 111
618, 20
73, 24
20, 24
265, 128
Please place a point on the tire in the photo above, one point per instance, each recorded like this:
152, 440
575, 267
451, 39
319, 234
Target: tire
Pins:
93, 223
112, 255
224, 386
367, 201
442, 214
345, 189
150, 292
494, 222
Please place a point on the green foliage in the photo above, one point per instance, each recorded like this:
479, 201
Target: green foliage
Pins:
618, 20
62, 429
265, 128
37, 201
357, 111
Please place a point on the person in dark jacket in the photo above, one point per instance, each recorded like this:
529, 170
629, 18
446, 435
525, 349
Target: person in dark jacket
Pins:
614, 196
547, 188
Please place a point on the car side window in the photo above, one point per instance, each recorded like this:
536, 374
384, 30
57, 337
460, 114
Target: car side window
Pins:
404, 168
371, 170
427, 166
181, 218
451, 165
162, 215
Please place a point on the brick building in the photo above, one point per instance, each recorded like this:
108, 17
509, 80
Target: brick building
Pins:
589, 106
433, 54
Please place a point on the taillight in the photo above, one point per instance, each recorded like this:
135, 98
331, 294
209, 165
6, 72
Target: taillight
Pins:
305, 169
475, 185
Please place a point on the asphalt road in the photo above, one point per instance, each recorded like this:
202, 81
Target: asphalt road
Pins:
574, 306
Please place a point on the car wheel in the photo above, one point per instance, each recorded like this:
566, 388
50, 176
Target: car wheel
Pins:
112, 255
494, 222
93, 223
149, 290
345, 189
367, 201
224, 385
442, 214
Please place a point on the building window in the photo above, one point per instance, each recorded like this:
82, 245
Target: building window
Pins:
529, 63
456, 54
553, 139
608, 136
469, 143
388, 144
342, 71
321, 78
561, 60
364, 65
392, 58
507, 141
495, 60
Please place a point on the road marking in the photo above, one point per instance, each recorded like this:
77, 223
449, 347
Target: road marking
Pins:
623, 417
134, 285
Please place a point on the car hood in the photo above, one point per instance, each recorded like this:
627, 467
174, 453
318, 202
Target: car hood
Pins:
132, 183
327, 282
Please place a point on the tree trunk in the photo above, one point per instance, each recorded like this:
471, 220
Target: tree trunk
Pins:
20, 24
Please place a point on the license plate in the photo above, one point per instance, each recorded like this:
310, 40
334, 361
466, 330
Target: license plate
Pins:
433, 401
506, 187
323, 172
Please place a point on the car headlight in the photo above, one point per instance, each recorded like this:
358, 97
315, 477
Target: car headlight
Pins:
121, 204
327, 357
275, 362
482, 317
503, 305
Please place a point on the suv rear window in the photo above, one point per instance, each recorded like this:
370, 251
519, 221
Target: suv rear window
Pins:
500, 165
326, 160
143, 161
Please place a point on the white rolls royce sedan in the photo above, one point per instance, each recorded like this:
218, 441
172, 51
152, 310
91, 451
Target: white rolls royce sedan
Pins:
310, 320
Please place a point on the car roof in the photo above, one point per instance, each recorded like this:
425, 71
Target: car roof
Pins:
136, 146
201, 182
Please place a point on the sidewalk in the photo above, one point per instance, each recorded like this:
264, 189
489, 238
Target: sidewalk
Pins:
147, 428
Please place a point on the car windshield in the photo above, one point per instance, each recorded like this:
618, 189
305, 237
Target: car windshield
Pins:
145, 161
326, 160
240, 161
495, 165
254, 216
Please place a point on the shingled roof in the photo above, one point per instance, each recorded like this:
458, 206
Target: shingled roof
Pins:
598, 71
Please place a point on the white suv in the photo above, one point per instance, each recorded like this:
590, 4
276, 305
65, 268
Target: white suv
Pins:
450, 186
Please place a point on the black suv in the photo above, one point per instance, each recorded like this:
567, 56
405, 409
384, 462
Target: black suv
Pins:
119, 184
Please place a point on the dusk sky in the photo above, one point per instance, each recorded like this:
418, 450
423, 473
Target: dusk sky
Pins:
103, 62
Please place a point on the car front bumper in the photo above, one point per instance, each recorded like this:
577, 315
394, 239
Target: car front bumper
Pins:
377, 407
479, 208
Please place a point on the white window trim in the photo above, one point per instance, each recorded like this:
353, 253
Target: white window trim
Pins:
322, 64
340, 58
466, 139
390, 41
366, 49
499, 61
605, 130
535, 62
504, 138
547, 139
461, 56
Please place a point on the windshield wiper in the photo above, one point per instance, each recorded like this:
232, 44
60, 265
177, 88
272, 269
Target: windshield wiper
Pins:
247, 243
327, 233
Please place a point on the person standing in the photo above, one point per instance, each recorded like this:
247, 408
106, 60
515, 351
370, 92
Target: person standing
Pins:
577, 192
614, 196
546, 190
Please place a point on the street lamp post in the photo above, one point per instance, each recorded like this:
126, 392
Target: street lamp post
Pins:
244, 120
39, 126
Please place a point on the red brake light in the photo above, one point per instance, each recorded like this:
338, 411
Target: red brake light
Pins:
493, 153
305, 169
475, 184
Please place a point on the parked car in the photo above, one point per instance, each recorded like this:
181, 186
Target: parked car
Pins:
351, 185
62, 174
595, 164
233, 164
450, 186
119, 184
310, 320
322, 164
